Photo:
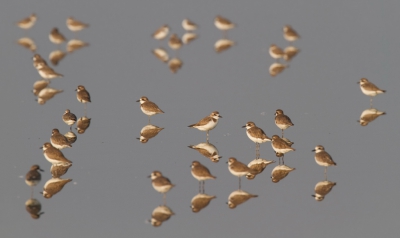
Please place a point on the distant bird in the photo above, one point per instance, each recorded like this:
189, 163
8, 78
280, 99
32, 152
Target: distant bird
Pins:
148, 132
208, 150
201, 173
200, 201
224, 25
54, 186
175, 64
33, 177
39, 85
290, 34
161, 32
276, 68
56, 37
257, 165
69, 118
175, 43
28, 22
82, 124
82, 95
47, 94
161, 54
282, 121
322, 189
160, 183
38, 61
257, 135
58, 140
188, 37
280, 172
238, 197
75, 25
34, 207
56, 56
54, 155
160, 214
75, 44
276, 52
148, 107
238, 169
369, 115
71, 137
59, 170
323, 158
290, 52
222, 45
369, 89
189, 25
47, 72
207, 123
28, 43
280, 146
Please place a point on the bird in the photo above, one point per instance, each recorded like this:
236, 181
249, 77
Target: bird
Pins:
71, 137
238, 169
39, 85
201, 173
222, 45
54, 155
82, 95
175, 43
59, 170
38, 61
161, 54
200, 201
290, 34
75, 44
322, 189
280, 172
290, 52
323, 158
46, 94
188, 25
282, 121
56, 37
28, 22
75, 25
160, 214
257, 135
54, 186
224, 25
58, 140
369, 89
69, 118
33, 177
208, 150
175, 64
280, 146
161, 32
47, 72
82, 124
369, 115
28, 43
257, 165
148, 132
276, 52
148, 107
160, 183
207, 123
56, 56
188, 37
276, 68
238, 197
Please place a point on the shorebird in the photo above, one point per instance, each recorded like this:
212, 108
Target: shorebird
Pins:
207, 123
369, 89
323, 158
257, 135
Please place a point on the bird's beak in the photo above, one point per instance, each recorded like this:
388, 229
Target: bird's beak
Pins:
313, 196
41, 147
243, 126
41, 170
41, 192
313, 150
358, 82
137, 100
220, 116
226, 162
76, 90
149, 176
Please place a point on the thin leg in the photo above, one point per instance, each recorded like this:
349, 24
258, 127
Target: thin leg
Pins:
370, 102
85, 108
282, 133
225, 34
164, 199
149, 120
326, 177
207, 136
203, 186
283, 161
239, 183
199, 186
31, 192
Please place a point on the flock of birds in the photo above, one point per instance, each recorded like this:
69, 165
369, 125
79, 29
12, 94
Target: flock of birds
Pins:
52, 150
280, 144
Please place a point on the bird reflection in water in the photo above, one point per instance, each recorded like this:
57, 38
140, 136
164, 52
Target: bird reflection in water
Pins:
71, 137
34, 207
258, 166
322, 188
238, 197
369, 115
54, 186
47, 94
161, 184
280, 172
276, 68
82, 124
208, 150
28, 43
160, 214
223, 45
39, 85
59, 170
148, 132
56, 56
201, 201
33, 177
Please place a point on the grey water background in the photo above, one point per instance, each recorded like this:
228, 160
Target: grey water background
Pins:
110, 195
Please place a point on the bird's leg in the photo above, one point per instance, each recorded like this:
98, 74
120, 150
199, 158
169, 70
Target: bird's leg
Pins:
225, 34
282, 133
207, 136
370, 102
203, 187
199, 186
239, 183
326, 177
31, 192
283, 161
164, 199
149, 120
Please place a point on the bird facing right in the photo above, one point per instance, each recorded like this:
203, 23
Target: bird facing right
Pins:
207, 123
